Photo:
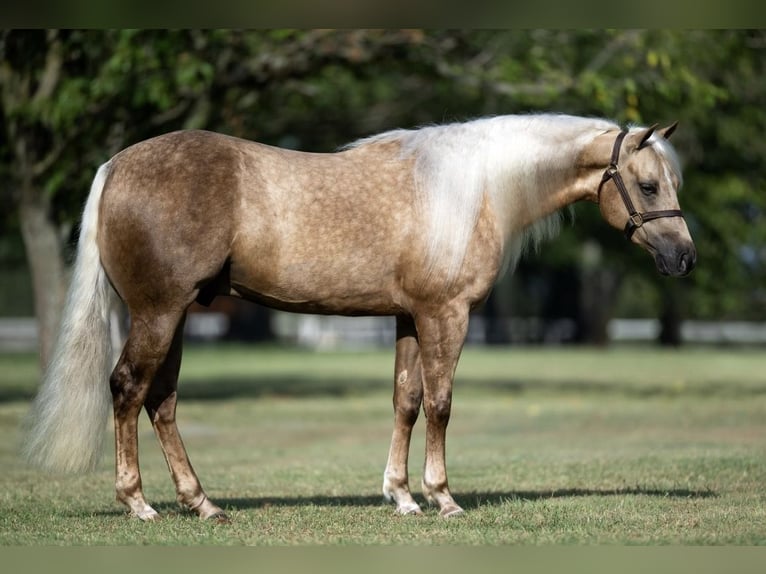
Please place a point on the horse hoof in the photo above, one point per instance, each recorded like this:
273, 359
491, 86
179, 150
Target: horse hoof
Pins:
219, 518
451, 511
150, 515
409, 510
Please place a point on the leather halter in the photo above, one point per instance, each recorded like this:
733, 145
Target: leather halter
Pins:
635, 218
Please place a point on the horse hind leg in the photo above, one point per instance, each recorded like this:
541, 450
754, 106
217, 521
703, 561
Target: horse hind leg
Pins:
408, 395
160, 405
149, 340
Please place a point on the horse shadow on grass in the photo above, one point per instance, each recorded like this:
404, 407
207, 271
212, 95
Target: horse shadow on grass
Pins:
468, 500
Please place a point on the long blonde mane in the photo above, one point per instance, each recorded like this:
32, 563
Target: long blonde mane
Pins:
511, 160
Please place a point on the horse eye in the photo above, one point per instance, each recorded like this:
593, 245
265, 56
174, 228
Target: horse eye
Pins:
648, 188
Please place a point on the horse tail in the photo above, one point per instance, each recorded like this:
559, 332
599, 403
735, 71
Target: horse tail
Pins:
66, 425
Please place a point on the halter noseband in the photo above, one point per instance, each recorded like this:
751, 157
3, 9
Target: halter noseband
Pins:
635, 218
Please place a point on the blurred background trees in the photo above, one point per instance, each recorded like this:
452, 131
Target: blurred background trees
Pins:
72, 98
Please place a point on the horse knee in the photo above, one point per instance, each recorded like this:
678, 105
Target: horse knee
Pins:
408, 409
438, 408
407, 402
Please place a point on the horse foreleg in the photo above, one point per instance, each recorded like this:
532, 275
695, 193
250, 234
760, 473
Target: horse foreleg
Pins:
160, 405
145, 350
408, 395
441, 341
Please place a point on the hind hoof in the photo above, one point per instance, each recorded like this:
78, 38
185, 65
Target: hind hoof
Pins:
146, 515
219, 518
451, 511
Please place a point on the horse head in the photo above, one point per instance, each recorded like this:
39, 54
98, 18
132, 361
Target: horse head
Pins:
638, 193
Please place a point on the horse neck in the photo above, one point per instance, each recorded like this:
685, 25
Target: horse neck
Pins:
532, 178
539, 175
523, 168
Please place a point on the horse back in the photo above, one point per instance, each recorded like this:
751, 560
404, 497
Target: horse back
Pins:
320, 232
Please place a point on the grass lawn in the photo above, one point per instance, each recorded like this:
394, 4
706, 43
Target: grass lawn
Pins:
574, 446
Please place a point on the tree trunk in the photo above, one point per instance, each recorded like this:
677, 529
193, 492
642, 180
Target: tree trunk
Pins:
599, 287
597, 298
46, 263
671, 316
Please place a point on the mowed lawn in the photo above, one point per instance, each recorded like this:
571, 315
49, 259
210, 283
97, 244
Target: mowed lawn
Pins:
574, 446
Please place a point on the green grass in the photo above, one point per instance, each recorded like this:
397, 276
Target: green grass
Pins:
574, 446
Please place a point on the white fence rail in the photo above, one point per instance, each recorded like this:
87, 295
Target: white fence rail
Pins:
331, 332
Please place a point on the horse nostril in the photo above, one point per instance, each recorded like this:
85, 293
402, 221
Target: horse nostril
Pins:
687, 261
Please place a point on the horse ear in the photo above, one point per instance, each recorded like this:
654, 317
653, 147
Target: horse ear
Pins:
666, 132
645, 136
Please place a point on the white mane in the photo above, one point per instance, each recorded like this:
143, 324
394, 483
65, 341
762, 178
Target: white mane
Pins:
510, 160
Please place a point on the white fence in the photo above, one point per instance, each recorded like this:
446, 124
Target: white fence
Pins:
18, 334
332, 332
323, 332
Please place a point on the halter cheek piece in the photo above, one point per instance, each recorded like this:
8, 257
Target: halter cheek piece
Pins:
635, 218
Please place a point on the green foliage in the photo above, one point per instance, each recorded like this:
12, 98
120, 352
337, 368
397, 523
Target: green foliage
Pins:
318, 89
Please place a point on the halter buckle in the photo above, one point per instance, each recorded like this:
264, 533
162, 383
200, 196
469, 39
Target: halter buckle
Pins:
611, 171
637, 219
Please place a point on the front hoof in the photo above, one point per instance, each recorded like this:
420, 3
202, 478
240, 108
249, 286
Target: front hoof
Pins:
451, 511
412, 509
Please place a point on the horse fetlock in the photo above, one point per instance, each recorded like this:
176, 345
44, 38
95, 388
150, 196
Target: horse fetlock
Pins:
140, 510
433, 488
400, 495
439, 496
128, 492
205, 509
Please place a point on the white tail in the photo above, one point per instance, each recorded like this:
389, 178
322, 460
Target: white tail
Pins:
68, 418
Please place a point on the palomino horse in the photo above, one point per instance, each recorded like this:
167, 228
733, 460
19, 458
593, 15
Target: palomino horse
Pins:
412, 223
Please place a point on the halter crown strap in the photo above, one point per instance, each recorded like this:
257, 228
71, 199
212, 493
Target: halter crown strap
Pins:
635, 218
615, 161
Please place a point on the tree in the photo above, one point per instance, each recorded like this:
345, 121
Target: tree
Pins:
70, 99
38, 128
713, 82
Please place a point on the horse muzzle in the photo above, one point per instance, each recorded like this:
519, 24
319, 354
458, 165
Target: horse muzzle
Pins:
676, 262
